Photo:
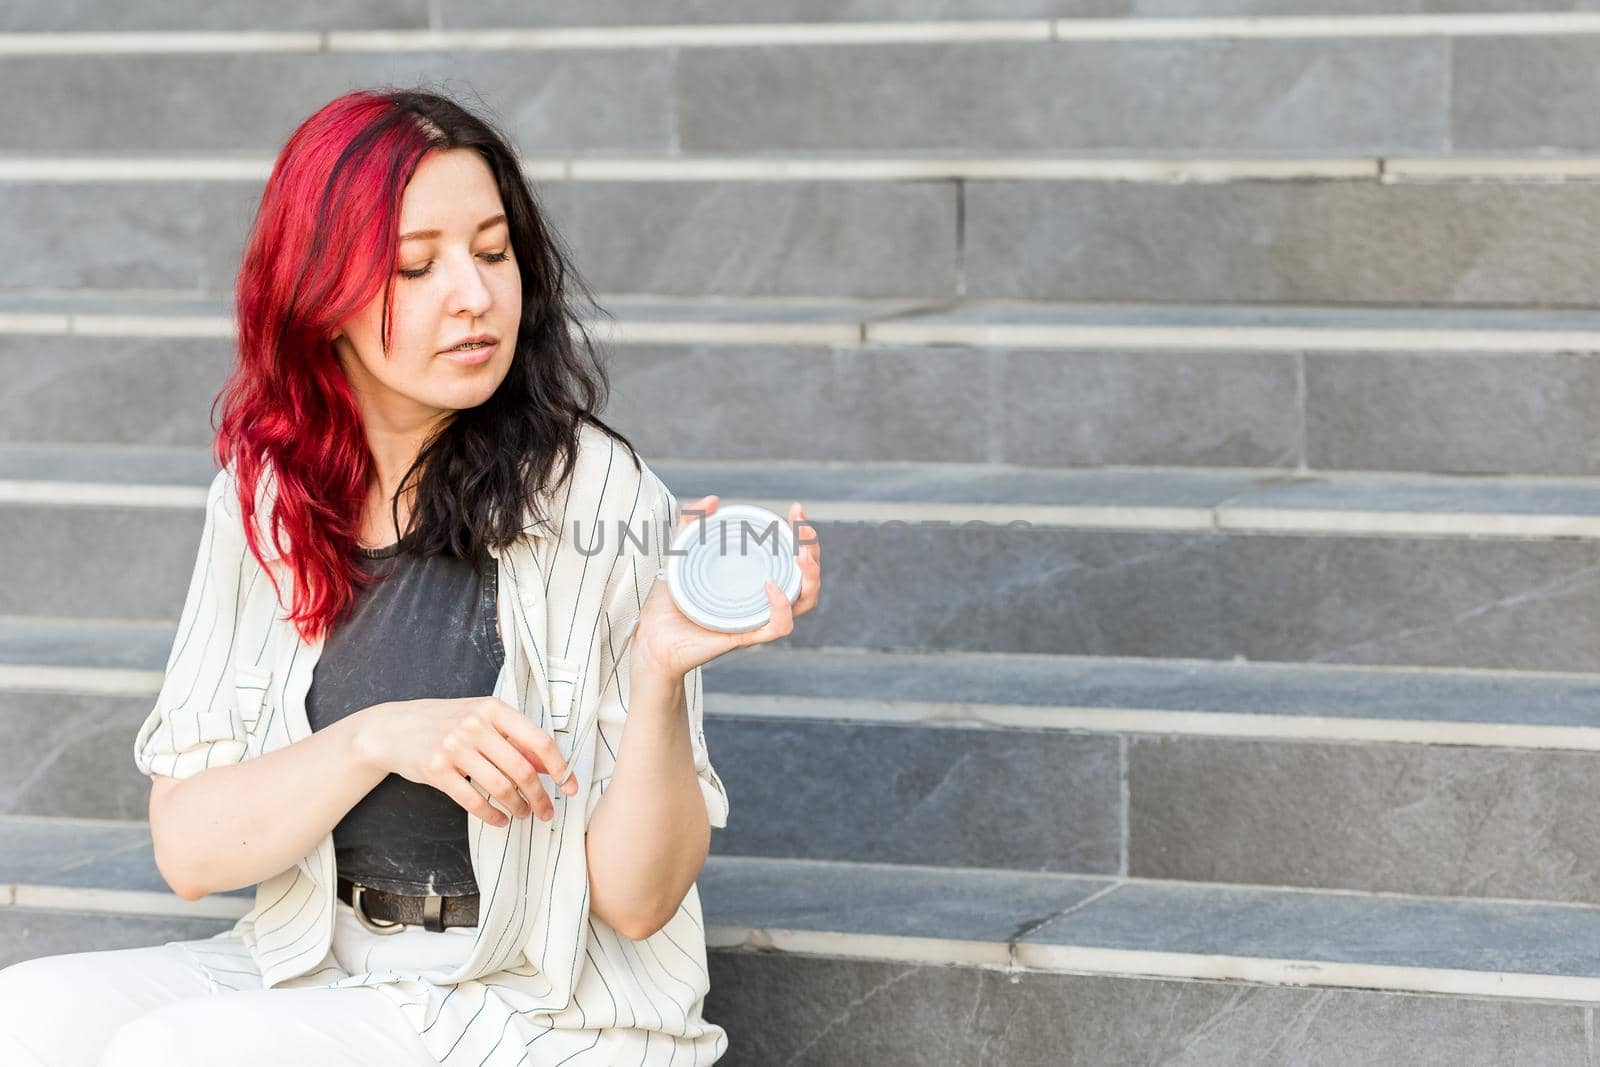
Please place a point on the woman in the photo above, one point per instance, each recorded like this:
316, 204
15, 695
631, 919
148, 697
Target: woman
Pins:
425, 568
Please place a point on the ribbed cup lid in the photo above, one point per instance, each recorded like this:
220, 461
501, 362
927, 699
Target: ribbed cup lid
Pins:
718, 563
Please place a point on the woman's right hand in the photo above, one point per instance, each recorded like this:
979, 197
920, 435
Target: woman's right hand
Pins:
457, 744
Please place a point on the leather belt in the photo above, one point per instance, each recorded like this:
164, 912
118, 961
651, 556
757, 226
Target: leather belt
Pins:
384, 912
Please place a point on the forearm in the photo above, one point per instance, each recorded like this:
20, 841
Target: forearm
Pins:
649, 836
239, 824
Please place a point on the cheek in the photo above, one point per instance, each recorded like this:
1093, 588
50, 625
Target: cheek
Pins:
415, 323
508, 293
412, 339
365, 332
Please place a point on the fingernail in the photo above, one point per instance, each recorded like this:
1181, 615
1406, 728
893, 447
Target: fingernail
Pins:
570, 787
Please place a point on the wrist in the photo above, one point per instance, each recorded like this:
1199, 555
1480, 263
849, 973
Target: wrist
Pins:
646, 674
363, 739
644, 665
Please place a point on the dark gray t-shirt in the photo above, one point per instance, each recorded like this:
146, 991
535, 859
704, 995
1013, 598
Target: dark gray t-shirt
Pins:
427, 630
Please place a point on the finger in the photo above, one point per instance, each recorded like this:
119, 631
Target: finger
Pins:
805, 534
698, 511
782, 610
538, 746
810, 585
461, 791
489, 778
807, 558
781, 621
524, 775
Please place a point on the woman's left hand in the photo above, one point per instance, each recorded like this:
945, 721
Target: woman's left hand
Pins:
670, 643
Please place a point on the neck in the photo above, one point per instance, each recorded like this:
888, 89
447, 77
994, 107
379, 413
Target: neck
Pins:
396, 426
392, 456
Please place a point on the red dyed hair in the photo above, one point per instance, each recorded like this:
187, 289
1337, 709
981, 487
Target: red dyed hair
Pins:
322, 244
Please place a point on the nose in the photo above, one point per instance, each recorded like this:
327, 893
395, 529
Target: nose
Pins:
469, 295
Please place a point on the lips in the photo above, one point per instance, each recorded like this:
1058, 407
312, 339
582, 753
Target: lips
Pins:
471, 357
477, 338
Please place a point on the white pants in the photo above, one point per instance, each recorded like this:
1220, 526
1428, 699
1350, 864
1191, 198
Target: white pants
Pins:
155, 1007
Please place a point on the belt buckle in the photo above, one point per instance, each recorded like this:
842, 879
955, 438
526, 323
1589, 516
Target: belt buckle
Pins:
388, 926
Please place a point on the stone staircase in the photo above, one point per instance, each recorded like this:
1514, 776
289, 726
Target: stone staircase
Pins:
1197, 410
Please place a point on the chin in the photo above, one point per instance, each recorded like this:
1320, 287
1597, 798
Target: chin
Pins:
464, 399
471, 385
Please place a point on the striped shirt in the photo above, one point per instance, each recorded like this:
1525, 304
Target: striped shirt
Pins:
546, 981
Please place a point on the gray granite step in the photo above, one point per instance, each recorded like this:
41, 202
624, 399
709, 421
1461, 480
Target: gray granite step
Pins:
854, 95
48, 16
868, 947
690, 12
166, 478
1157, 563
1015, 690
1043, 384
39, 15
831, 1011
1359, 92
859, 240
1362, 779
57, 861
1333, 242
29, 932
133, 313
1444, 242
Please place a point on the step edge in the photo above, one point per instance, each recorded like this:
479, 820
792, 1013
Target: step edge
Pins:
1015, 958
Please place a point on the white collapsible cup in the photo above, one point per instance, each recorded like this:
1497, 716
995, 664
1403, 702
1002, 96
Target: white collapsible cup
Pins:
715, 571
717, 565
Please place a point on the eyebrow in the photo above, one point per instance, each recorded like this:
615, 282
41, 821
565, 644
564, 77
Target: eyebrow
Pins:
417, 235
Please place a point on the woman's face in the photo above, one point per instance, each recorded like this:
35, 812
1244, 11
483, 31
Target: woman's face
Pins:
456, 278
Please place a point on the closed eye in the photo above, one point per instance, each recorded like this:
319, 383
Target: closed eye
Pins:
492, 257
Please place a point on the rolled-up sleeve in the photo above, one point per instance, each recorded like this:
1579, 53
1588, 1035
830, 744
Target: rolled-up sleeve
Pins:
631, 578
196, 722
